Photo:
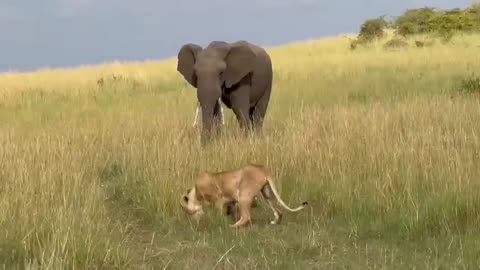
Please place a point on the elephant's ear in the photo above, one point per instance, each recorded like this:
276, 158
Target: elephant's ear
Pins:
186, 60
239, 60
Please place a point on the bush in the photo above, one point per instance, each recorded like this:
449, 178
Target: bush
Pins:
474, 9
354, 43
446, 37
421, 21
414, 21
428, 20
372, 29
406, 29
470, 85
451, 21
396, 43
474, 13
424, 43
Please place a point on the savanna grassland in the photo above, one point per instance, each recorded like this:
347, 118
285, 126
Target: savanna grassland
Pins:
381, 142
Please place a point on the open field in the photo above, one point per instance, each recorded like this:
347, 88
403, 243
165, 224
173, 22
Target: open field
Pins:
379, 142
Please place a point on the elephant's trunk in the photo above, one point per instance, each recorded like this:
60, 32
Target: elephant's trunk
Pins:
211, 111
207, 118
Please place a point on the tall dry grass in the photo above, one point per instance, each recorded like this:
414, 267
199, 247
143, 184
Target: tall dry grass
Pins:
376, 140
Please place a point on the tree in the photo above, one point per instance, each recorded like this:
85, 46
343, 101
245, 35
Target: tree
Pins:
414, 21
371, 29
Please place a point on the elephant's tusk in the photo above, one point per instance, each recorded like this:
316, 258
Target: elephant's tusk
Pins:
196, 114
198, 110
221, 114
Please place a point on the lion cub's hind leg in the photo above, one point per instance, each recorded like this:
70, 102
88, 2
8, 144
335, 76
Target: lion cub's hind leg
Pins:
272, 202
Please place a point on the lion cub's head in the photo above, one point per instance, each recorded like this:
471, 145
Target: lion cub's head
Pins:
190, 204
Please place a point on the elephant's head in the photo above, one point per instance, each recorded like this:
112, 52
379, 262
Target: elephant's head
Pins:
208, 69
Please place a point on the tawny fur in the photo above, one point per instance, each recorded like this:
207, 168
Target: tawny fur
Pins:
235, 191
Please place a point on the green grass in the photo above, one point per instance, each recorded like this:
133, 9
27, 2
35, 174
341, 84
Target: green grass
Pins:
380, 142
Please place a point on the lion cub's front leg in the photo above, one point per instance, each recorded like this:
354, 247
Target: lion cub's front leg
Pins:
244, 205
227, 208
232, 211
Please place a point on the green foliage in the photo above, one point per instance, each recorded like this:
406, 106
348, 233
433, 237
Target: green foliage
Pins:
396, 43
474, 12
429, 20
425, 20
451, 21
414, 21
372, 29
354, 43
445, 37
424, 43
470, 85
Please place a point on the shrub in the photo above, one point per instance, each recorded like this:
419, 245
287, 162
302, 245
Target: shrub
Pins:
446, 37
353, 44
414, 21
114, 79
470, 85
474, 9
396, 43
361, 41
474, 13
421, 21
372, 29
428, 20
424, 43
405, 29
451, 21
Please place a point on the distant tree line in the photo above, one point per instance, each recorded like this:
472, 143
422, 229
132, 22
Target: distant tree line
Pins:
422, 21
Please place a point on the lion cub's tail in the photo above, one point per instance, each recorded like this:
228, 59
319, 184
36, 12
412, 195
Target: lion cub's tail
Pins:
279, 199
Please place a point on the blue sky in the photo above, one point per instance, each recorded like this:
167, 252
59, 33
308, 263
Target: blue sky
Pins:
64, 33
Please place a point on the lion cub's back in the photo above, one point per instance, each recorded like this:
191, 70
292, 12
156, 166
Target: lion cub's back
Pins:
256, 174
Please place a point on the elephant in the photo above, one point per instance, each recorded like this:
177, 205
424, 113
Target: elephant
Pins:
239, 74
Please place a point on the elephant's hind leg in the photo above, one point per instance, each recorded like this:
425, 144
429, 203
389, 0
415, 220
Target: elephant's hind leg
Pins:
241, 105
258, 113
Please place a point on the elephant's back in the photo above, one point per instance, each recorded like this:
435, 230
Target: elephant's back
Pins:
262, 72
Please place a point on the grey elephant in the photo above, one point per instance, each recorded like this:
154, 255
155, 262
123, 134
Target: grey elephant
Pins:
239, 74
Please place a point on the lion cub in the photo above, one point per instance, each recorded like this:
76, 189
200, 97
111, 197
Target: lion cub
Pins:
237, 188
